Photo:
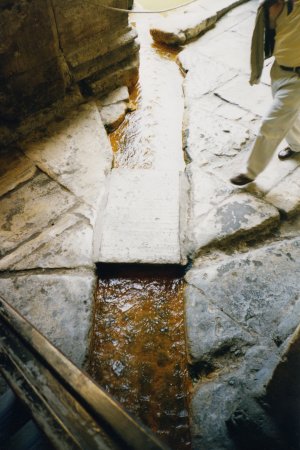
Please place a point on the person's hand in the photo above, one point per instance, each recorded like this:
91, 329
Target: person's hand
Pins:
274, 11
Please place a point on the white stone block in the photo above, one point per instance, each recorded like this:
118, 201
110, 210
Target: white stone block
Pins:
141, 221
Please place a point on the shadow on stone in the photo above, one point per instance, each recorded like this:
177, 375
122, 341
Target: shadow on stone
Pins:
270, 420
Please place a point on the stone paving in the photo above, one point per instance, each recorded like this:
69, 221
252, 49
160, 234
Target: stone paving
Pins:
52, 187
242, 301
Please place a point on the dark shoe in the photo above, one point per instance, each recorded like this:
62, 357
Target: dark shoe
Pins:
286, 153
241, 179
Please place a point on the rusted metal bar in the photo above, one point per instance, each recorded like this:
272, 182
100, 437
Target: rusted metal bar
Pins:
69, 407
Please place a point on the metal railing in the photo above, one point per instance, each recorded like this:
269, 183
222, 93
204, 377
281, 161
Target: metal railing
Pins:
71, 410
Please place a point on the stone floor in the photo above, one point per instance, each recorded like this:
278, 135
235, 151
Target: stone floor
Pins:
52, 187
242, 301
242, 296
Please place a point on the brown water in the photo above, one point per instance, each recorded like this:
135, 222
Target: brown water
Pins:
151, 135
138, 347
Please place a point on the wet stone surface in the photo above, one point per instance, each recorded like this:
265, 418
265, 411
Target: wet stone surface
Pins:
139, 323
51, 187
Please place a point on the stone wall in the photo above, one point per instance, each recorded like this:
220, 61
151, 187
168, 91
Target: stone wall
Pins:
49, 46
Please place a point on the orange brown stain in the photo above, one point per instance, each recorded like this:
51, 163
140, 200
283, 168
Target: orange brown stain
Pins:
138, 351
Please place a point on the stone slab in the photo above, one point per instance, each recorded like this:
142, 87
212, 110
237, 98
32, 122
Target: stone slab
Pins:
258, 289
76, 152
206, 191
204, 74
210, 407
67, 243
118, 95
275, 172
239, 215
211, 333
213, 46
211, 138
215, 400
239, 92
30, 209
141, 221
286, 195
113, 115
190, 22
179, 29
58, 304
212, 104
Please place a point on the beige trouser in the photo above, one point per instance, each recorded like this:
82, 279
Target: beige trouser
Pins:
281, 121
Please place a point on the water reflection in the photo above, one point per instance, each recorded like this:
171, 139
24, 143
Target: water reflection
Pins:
151, 135
138, 349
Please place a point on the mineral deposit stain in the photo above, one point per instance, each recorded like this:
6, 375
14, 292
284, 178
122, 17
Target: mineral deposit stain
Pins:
138, 348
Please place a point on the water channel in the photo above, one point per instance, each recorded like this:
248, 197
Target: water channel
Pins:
138, 349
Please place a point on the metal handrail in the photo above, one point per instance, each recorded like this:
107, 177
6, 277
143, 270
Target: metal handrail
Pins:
68, 406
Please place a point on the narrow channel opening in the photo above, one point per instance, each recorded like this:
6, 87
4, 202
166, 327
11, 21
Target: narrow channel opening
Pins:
138, 348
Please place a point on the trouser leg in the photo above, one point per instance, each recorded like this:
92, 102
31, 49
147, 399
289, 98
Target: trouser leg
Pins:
293, 136
281, 121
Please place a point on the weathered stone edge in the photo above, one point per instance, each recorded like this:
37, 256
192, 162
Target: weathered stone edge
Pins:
183, 36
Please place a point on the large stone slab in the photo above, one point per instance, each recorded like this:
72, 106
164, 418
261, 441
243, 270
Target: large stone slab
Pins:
113, 115
211, 333
203, 74
180, 27
211, 138
178, 30
210, 407
240, 311
59, 305
118, 95
30, 209
113, 108
212, 45
239, 215
217, 397
76, 152
253, 98
206, 191
275, 173
258, 289
141, 221
286, 195
67, 243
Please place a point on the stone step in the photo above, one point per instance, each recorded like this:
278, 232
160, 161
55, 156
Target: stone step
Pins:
195, 19
141, 219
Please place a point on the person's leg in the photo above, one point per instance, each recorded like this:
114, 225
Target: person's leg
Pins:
280, 122
293, 136
293, 140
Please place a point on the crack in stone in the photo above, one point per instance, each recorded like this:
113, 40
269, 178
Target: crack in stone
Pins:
247, 330
79, 270
230, 102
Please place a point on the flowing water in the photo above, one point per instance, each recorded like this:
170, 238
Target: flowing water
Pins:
151, 136
138, 349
